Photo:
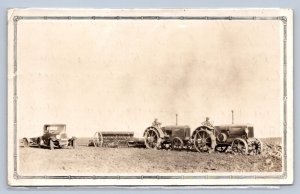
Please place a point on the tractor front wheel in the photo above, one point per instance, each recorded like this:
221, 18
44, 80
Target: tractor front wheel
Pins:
177, 144
254, 146
239, 146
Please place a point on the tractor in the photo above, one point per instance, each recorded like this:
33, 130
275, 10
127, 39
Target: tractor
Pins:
239, 137
205, 138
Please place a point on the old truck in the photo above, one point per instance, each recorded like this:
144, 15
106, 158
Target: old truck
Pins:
54, 136
205, 138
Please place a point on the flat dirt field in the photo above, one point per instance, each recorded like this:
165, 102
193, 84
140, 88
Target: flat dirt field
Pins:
91, 160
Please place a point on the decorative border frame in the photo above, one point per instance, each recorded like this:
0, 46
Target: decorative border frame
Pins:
16, 19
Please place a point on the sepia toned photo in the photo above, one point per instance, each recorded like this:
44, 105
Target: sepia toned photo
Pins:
150, 97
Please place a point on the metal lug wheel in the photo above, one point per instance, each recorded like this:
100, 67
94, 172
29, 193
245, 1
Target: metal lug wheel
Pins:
239, 146
152, 139
204, 141
177, 144
254, 146
98, 139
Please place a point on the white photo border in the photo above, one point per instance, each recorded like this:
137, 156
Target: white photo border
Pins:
283, 19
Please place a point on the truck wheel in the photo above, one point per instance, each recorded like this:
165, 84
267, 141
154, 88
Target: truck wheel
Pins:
51, 144
74, 143
25, 142
39, 142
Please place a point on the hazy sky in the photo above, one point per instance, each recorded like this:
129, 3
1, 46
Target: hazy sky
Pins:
121, 74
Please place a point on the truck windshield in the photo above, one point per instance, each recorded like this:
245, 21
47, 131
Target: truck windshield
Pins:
52, 129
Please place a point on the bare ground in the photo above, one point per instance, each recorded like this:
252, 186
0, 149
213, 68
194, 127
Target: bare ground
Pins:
90, 160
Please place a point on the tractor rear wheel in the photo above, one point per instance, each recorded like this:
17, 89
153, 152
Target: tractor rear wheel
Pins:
239, 146
204, 140
152, 139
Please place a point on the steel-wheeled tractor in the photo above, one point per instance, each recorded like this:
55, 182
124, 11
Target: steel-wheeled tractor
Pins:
173, 136
239, 137
206, 138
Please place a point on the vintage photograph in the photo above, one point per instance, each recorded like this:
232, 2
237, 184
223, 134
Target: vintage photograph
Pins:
150, 97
